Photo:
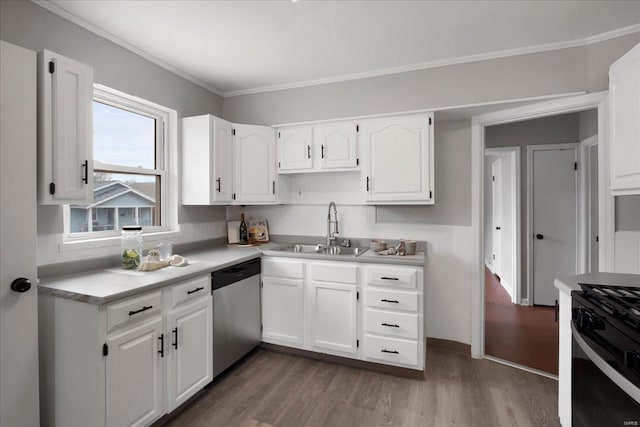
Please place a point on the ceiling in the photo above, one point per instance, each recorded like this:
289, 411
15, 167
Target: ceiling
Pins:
235, 47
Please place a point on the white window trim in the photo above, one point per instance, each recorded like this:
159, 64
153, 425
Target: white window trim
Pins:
169, 189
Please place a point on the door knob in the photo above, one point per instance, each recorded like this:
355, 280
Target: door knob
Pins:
498, 228
539, 236
21, 284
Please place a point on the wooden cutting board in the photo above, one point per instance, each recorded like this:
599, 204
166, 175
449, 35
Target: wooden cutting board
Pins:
233, 231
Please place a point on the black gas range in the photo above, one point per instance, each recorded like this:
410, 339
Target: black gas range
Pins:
606, 356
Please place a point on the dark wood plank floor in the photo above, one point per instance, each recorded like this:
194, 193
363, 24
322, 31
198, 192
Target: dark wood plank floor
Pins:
275, 389
527, 335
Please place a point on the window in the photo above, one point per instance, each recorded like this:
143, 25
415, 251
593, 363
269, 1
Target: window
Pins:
130, 169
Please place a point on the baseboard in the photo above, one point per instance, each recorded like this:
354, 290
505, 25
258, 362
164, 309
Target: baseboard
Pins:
454, 346
352, 363
507, 287
489, 266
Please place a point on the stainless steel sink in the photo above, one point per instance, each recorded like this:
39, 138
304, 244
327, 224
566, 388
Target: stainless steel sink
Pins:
322, 250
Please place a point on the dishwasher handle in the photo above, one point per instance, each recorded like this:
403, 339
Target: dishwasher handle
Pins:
235, 273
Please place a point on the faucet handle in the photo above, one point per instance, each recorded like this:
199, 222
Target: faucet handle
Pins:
346, 243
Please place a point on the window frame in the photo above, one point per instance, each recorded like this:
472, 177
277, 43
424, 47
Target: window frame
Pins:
166, 169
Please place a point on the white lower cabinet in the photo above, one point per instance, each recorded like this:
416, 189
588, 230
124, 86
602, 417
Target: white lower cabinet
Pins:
134, 375
126, 363
282, 311
190, 363
564, 357
334, 314
319, 306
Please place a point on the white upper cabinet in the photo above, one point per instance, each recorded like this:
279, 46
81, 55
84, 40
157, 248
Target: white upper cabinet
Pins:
329, 146
398, 159
207, 158
65, 131
624, 92
338, 145
254, 164
295, 146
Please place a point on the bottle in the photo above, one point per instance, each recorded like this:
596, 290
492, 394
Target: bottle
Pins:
244, 234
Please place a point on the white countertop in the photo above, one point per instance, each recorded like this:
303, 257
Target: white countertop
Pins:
105, 285
569, 284
110, 284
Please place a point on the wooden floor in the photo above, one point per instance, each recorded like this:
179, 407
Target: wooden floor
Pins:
275, 389
527, 335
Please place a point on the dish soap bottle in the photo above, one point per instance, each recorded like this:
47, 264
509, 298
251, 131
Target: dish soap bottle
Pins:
244, 234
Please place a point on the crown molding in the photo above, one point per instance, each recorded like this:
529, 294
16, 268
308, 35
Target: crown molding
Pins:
54, 8
445, 62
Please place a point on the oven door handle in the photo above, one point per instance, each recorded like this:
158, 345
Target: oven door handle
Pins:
611, 373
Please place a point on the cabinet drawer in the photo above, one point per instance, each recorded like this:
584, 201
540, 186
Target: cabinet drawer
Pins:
337, 273
133, 309
190, 290
396, 300
391, 350
391, 323
393, 277
283, 268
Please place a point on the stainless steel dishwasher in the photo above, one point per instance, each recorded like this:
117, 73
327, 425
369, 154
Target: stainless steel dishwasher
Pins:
236, 313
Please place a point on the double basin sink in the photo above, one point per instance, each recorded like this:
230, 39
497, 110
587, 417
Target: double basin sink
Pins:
322, 250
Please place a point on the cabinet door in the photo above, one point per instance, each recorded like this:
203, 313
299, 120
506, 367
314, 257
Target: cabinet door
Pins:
399, 159
65, 130
624, 92
222, 186
254, 161
334, 316
283, 311
338, 145
135, 375
190, 351
295, 149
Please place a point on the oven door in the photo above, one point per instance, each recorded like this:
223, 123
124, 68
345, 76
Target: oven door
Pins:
600, 395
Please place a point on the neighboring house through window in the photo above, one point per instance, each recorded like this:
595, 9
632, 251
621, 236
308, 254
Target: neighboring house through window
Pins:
130, 169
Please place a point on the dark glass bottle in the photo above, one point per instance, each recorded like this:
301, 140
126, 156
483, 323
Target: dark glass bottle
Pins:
244, 234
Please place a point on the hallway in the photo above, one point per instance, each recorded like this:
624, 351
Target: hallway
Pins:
521, 334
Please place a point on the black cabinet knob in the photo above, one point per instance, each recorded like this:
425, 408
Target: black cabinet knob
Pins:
21, 284
539, 236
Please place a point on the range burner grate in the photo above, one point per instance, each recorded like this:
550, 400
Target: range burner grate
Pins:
619, 301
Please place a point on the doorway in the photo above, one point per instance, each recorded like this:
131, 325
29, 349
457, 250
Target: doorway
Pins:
519, 293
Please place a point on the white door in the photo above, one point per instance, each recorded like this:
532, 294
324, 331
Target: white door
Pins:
254, 161
222, 160
496, 215
398, 154
18, 310
190, 361
282, 310
554, 219
134, 375
338, 145
334, 316
295, 148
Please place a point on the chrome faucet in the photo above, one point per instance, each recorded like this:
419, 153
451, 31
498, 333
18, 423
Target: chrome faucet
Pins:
331, 236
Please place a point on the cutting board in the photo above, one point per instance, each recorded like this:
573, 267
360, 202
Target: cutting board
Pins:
233, 231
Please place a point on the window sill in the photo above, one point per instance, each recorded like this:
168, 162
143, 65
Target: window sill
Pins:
114, 241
